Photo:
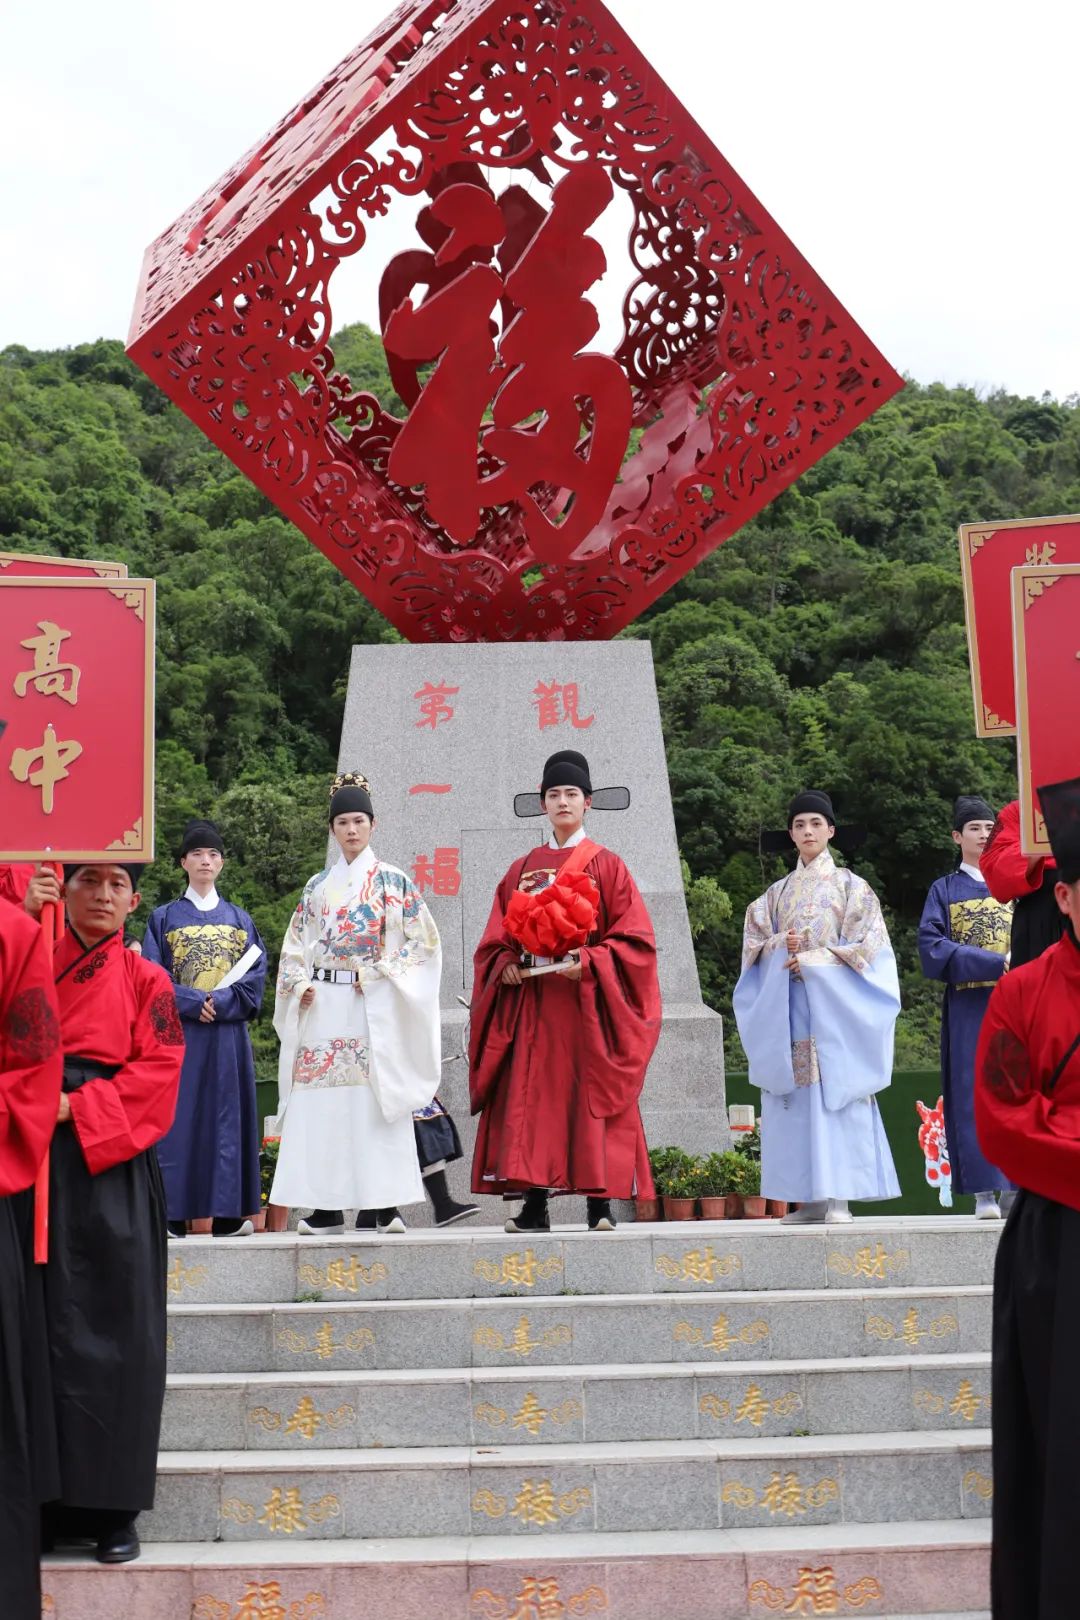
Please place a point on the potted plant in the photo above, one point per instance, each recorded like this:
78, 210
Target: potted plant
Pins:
715, 1186
749, 1188
673, 1173
276, 1215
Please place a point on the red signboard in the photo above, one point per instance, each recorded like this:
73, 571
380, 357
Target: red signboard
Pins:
988, 554
25, 565
1046, 630
76, 719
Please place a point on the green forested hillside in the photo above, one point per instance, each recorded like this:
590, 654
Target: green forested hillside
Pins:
824, 645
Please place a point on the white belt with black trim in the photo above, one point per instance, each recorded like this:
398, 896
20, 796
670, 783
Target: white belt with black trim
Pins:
323, 975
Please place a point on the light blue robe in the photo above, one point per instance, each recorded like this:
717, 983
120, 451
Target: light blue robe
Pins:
820, 1045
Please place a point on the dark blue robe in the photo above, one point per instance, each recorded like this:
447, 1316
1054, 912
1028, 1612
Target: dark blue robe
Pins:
963, 938
210, 1158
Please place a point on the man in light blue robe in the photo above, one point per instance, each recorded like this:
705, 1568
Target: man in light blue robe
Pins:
815, 1005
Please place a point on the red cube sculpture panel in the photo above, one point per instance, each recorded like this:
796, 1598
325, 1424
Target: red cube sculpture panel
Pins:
502, 505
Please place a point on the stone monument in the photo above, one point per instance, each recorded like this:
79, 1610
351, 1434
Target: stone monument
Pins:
448, 736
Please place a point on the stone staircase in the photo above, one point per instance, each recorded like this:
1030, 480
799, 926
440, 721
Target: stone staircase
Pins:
671, 1422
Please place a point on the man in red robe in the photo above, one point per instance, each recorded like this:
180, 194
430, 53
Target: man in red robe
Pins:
1027, 1111
30, 1067
105, 1279
557, 1058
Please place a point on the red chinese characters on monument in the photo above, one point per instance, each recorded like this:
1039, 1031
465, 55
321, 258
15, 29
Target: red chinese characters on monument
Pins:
435, 708
500, 508
440, 872
555, 703
76, 718
560, 419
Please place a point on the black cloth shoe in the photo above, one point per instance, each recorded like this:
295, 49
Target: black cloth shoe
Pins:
533, 1214
177, 1229
600, 1217
322, 1223
389, 1220
118, 1546
226, 1226
447, 1210
366, 1220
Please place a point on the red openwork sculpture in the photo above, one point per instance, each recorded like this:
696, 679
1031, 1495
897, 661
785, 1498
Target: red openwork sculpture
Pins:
503, 506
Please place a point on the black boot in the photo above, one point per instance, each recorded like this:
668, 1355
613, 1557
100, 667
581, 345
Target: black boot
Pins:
322, 1223
599, 1216
447, 1210
533, 1214
177, 1229
119, 1545
389, 1220
229, 1226
366, 1220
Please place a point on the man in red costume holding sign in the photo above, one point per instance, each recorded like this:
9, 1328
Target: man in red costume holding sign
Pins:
565, 1017
30, 1066
105, 1280
1027, 1111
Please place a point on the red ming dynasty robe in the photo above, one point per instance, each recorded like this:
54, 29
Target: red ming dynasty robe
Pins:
30, 1065
1027, 1110
556, 1066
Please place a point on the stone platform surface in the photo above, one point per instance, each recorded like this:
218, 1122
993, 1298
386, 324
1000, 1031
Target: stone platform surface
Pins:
685, 1421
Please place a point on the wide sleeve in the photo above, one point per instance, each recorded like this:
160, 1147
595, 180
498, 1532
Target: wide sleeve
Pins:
14, 881
494, 1008
761, 1001
295, 966
1032, 1138
401, 1000
1009, 873
31, 1052
155, 948
118, 1118
853, 1015
243, 999
620, 994
942, 957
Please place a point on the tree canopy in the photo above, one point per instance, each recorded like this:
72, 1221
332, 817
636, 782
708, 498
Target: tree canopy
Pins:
823, 646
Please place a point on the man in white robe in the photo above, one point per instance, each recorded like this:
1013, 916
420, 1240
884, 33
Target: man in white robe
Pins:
815, 1005
357, 1014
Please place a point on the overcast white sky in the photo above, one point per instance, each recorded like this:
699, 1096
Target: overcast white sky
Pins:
923, 156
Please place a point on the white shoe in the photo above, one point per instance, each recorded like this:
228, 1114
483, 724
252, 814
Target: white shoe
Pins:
396, 1225
245, 1229
838, 1213
318, 1231
986, 1207
807, 1214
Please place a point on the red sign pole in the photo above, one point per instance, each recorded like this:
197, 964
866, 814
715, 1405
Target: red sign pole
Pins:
52, 926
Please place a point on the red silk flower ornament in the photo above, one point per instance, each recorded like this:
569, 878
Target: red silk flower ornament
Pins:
555, 920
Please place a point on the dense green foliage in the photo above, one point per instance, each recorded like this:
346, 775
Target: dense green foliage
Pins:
823, 646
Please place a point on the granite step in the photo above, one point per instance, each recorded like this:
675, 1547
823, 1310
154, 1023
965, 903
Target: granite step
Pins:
513, 1406
691, 1326
479, 1263
902, 1571
537, 1490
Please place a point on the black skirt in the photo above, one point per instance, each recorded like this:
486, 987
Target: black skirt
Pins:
105, 1311
1036, 1413
20, 1585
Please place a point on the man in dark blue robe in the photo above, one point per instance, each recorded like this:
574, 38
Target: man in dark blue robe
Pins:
964, 941
210, 1158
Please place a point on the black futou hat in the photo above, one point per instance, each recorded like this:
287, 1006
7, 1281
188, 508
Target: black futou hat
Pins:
1060, 803
970, 807
350, 795
568, 768
813, 802
201, 835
